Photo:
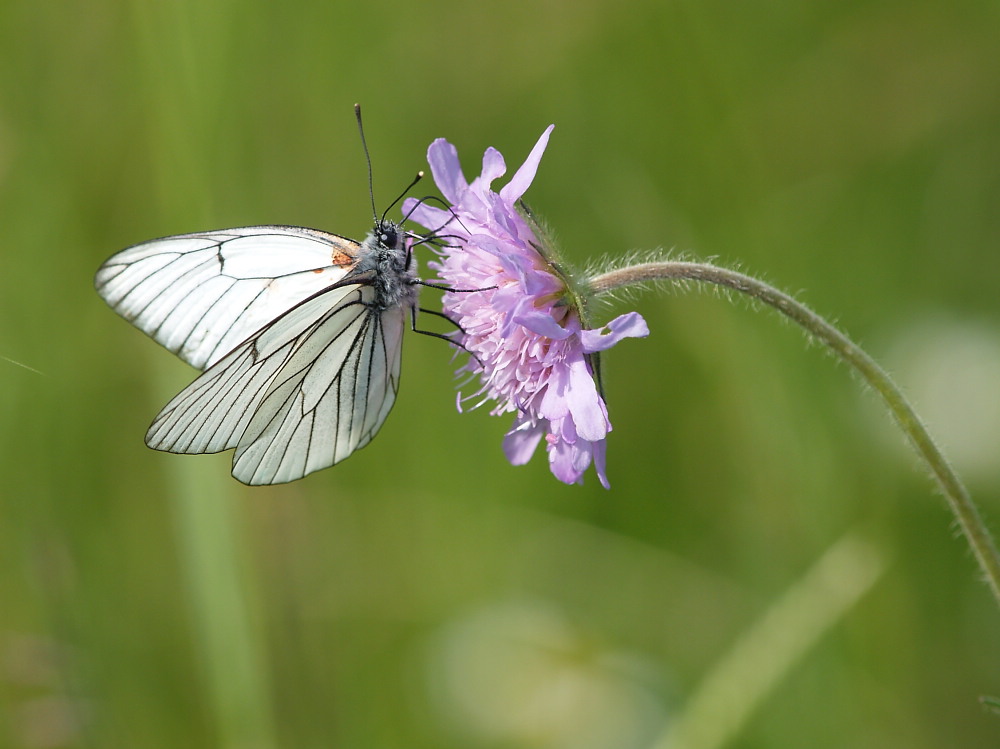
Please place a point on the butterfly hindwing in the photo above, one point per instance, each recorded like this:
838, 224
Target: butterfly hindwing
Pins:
304, 393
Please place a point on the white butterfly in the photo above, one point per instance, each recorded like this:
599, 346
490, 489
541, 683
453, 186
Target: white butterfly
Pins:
299, 333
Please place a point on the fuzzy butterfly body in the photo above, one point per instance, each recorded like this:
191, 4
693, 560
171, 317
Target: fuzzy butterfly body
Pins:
299, 333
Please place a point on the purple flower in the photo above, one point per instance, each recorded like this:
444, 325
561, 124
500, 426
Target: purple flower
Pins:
524, 324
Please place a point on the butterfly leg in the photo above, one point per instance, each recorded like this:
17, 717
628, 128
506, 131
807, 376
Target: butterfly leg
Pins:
442, 336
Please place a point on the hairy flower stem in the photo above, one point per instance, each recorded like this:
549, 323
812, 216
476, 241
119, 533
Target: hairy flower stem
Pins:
958, 498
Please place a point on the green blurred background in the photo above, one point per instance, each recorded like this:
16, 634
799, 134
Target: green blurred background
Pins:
770, 568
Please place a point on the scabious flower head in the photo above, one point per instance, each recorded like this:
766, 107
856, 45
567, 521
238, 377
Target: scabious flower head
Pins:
523, 324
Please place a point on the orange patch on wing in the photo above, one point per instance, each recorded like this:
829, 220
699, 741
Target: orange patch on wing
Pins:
342, 258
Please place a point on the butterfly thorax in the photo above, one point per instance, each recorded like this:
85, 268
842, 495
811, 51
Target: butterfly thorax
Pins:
384, 255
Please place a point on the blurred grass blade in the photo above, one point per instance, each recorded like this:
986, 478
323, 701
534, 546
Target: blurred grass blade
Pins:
741, 681
183, 47
223, 603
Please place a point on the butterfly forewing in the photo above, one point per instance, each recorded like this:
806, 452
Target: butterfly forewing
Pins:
200, 295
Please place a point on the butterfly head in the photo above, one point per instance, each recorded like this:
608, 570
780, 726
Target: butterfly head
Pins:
388, 234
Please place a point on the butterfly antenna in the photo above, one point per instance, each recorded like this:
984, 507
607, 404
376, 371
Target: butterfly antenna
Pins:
364, 145
420, 176
446, 206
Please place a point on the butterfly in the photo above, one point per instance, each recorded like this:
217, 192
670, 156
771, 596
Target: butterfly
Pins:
298, 331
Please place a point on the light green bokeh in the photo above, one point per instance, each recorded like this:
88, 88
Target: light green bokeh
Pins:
847, 150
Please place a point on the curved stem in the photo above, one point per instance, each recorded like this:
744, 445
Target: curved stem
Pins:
958, 498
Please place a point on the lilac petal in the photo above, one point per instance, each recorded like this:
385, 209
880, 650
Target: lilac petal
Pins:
500, 250
493, 166
629, 325
540, 323
472, 208
589, 412
509, 305
566, 462
554, 405
520, 442
600, 463
503, 219
522, 179
426, 215
538, 284
446, 169
533, 282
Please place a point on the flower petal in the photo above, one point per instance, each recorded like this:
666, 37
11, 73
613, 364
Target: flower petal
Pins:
542, 324
426, 215
522, 179
589, 412
554, 405
493, 167
568, 461
520, 442
599, 452
446, 170
629, 325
